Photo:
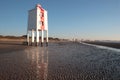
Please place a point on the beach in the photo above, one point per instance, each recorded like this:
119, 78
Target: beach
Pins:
11, 46
108, 44
58, 61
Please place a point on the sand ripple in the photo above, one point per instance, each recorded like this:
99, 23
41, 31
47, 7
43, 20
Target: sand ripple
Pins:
61, 61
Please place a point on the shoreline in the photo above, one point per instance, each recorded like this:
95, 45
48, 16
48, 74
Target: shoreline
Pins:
107, 44
11, 46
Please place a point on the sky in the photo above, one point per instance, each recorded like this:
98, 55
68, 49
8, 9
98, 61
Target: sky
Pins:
81, 19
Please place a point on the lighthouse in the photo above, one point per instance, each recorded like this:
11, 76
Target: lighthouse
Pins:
37, 22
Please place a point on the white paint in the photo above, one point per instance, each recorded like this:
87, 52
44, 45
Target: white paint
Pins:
38, 18
42, 37
33, 36
45, 20
37, 36
32, 19
47, 36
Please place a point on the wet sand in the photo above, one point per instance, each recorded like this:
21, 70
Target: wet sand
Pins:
60, 61
11, 46
108, 44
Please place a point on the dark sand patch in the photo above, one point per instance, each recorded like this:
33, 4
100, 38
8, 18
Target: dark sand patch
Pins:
108, 44
11, 46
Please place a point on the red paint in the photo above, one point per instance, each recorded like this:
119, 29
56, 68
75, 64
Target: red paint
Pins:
41, 17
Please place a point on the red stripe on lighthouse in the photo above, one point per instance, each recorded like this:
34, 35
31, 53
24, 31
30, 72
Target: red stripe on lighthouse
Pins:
42, 17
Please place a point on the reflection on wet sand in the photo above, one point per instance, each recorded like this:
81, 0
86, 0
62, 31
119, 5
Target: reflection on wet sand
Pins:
67, 61
39, 58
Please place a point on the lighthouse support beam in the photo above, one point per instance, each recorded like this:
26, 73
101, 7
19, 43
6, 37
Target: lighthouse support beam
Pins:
37, 37
42, 37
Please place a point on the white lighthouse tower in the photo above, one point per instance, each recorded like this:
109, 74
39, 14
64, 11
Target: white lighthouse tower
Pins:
37, 22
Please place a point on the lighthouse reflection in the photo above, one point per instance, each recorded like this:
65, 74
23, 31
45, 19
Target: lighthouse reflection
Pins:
38, 57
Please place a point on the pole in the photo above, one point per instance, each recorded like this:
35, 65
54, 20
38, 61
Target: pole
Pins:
33, 36
42, 37
46, 37
28, 38
37, 37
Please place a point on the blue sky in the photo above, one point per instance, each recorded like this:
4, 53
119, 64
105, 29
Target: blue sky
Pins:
86, 19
